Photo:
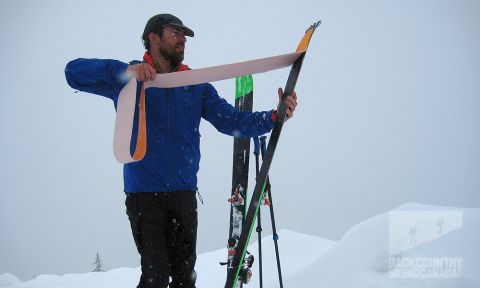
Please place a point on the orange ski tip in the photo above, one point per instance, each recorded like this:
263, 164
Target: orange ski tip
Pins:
303, 45
141, 147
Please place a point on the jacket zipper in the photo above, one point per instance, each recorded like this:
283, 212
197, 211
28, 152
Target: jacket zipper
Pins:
169, 135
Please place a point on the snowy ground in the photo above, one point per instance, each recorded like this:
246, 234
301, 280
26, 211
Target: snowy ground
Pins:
412, 246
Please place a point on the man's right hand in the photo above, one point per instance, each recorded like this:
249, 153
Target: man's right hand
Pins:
141, 71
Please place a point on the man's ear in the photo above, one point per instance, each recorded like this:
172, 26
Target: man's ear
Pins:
153, 37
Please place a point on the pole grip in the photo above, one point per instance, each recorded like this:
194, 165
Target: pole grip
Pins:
263, 144
256, 146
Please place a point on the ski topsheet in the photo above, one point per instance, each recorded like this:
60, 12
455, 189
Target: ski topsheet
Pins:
252, 212
241, 153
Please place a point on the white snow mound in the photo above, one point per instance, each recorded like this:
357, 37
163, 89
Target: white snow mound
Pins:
7, 279
412, 246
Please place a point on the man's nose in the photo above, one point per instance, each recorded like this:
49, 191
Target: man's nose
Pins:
182, 38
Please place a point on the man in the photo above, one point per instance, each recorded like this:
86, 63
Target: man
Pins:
161, 188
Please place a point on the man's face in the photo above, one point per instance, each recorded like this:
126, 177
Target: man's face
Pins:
172, 44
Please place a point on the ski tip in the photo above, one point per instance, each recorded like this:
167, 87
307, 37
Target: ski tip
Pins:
303, 45
314, 26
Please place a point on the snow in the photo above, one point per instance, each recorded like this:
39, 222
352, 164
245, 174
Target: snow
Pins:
372, 253
8, 279
292, 255
361, 258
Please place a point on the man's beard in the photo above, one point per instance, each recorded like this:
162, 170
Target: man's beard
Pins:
171, 55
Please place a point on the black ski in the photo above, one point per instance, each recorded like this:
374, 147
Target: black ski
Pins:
247, 227
241, 156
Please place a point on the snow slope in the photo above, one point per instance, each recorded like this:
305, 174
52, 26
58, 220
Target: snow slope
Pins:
7, 279
362, 259
441, 249
210, 273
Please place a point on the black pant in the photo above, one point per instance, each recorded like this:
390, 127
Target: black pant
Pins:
164, 227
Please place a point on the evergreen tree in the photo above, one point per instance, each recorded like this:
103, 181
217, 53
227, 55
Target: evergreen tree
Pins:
98, 264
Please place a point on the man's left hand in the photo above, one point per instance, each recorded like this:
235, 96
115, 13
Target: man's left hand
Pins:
291, 102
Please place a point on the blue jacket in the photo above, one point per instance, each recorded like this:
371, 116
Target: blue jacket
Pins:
173, 118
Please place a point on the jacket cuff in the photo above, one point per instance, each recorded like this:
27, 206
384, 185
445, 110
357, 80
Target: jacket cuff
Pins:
120, 72
274, 116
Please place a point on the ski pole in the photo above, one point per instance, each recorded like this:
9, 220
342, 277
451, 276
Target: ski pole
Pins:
256, 151
263, 145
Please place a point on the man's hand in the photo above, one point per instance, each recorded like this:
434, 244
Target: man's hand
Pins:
291, 102
141, 71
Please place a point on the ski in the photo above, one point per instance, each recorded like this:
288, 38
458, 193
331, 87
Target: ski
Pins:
237, 262
241, 153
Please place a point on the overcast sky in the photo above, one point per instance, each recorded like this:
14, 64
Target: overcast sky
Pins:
389, 112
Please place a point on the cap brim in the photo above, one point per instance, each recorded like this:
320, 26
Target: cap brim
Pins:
188, 32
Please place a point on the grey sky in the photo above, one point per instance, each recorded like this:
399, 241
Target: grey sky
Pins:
389, 102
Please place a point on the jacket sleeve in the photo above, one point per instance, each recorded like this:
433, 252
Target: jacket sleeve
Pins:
103, 77
229, 120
